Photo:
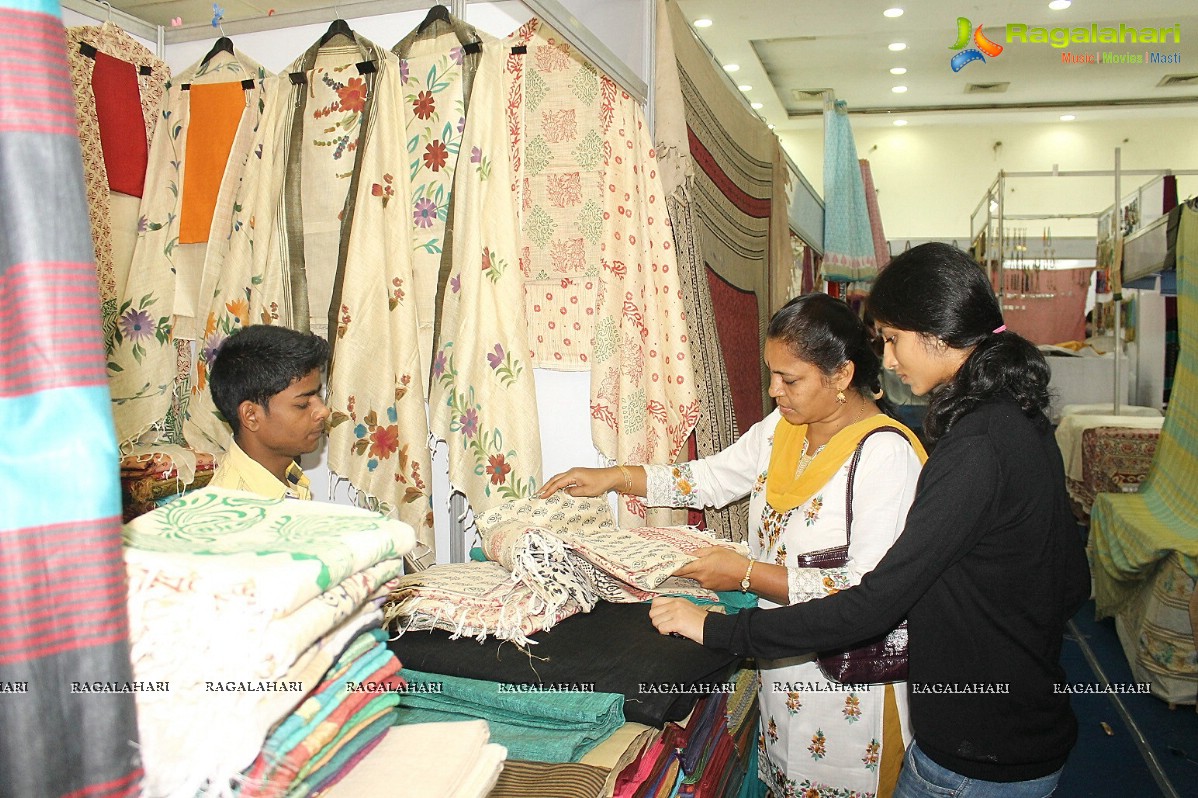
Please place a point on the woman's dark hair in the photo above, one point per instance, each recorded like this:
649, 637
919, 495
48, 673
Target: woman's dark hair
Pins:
937, 290
825, 332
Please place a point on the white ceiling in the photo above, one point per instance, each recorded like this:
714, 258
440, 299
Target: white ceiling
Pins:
786, 45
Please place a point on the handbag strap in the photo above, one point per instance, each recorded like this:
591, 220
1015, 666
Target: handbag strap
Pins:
848, 499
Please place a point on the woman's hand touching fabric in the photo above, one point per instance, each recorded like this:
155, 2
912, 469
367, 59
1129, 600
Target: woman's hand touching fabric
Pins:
582, 482
678, 616
716, 568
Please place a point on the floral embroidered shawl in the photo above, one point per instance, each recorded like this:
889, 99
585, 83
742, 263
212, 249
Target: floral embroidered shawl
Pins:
159, 304
482, 398
152, 78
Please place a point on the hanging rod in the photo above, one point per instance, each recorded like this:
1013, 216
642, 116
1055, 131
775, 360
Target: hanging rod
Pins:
101, 13
551, 12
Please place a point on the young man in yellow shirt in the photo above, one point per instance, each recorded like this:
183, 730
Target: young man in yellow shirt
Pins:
266, 382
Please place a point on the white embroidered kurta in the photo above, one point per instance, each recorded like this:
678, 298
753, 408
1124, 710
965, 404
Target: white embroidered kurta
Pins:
813, 733
161, 300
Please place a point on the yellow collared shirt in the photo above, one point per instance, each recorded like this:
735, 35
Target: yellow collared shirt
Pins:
239, 471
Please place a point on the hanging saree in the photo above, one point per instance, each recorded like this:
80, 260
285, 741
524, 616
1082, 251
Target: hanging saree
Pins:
149, 357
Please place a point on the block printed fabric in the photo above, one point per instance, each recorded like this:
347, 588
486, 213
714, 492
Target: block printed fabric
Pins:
152, 76
159, 304
597, 252
339, 264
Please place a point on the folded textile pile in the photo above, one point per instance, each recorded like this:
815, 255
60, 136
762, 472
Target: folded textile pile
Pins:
422, 760
348, 713
707, 758
238, 607
150, 475
540, 726
559, 556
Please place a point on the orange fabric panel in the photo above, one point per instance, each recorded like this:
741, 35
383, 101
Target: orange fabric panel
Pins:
216, 110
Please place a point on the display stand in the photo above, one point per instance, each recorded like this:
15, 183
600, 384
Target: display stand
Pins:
996, 251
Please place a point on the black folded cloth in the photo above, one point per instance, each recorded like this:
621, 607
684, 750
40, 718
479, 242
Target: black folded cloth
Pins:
614, 647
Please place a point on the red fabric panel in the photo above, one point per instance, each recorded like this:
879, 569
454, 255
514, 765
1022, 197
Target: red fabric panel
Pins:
122, 125
1047, 306
736, 321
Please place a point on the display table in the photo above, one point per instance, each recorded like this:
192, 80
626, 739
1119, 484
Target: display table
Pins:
1105, 452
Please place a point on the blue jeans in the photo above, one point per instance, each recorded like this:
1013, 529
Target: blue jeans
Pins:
923, 778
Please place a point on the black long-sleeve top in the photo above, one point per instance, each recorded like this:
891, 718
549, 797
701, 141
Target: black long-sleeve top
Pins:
987, 571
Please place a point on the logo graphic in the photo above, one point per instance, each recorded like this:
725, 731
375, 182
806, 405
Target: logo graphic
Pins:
982, 46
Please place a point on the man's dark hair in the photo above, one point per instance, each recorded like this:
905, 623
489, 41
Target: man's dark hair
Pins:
260, 361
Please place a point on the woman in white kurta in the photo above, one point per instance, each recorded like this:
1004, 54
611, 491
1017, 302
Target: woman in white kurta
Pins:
814, 733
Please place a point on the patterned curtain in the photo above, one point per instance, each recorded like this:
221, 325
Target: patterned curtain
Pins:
63, 620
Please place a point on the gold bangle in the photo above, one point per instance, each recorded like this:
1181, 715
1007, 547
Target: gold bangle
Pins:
627, 478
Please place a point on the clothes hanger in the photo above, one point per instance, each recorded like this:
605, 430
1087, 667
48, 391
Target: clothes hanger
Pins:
437, 12
339, 28
223, 45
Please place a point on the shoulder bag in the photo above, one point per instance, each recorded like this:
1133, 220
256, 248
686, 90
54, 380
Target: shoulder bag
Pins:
882, 659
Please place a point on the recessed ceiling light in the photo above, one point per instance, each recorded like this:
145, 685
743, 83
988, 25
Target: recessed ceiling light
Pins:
770, 125
1067, 117
745, 87
898, 89
897, 46
702, 22
756, 106
892, 12
898, 70
900, 122
1059, 5
731, 67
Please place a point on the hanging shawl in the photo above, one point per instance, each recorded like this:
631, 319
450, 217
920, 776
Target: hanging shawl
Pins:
848, 241
64, 598
332, 122
149, 360
881, 249
482, 398
602, 284
83, 44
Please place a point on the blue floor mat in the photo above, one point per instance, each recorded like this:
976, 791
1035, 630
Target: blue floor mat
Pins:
1151, 750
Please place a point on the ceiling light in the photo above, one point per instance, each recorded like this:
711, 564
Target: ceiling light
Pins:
898, 70
756, 106
731, 67
745, 87
892, 12
702, 22
898, 89
1059, 5
897, 46
770, 125
900, 122
1067, 117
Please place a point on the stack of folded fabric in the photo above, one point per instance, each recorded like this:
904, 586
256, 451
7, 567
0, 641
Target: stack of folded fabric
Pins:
534, 725
547, 560
149, 476
424, 760
238, 608
347, 714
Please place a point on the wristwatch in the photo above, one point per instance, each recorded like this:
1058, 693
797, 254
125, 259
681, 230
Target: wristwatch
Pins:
744, 583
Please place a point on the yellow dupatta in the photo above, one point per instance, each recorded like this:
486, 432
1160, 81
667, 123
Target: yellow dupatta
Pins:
784, 491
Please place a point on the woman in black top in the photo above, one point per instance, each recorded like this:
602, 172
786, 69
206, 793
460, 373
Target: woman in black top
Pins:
990, 564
